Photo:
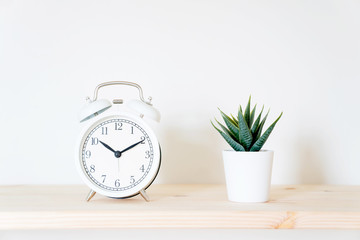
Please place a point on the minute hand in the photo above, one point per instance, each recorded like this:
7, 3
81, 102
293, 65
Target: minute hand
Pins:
130, 147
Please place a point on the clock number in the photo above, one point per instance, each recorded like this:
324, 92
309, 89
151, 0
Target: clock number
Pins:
118, 126
88, 154
104, 177
132, 179
132, 129
142, 168
104, 131
142, 139
147, 154
117, 183
94, 141
92, 168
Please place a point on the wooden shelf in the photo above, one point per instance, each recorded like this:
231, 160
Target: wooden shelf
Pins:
180, 206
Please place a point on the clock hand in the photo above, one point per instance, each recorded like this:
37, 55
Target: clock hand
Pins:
116, 153
130, 147
107, 146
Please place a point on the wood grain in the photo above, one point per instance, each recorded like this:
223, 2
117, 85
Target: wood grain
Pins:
180, 206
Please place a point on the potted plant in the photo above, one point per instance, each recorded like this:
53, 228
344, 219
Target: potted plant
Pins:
247, 167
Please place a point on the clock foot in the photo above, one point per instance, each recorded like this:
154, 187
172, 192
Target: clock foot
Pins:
144, 195
90, 195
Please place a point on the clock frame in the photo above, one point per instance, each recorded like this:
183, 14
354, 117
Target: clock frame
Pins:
118, 154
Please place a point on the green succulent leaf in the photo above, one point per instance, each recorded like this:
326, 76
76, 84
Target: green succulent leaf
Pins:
235, 145
256, 123
235, 120
261, 125
245, 137
244, 131
230, 124
261, 141
247, 113
252, 116
227, 131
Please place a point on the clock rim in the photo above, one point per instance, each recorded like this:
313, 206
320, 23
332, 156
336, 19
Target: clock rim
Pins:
145, 183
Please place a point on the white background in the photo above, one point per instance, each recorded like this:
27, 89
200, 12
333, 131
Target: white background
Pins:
299, 57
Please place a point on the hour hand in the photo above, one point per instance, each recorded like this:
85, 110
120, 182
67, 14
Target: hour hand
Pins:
107, 146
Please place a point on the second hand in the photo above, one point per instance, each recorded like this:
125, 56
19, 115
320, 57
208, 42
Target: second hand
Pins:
118, 166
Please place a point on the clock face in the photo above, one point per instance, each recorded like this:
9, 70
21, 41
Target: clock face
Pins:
119, 156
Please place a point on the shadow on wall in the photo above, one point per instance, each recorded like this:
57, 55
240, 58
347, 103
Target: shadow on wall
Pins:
190, 155
311, 167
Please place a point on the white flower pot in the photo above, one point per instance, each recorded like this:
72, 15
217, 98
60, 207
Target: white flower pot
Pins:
248, 175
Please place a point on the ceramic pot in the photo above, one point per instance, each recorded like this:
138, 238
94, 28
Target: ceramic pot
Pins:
248, 175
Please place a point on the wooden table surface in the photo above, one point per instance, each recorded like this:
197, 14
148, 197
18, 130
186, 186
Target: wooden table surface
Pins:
180, 206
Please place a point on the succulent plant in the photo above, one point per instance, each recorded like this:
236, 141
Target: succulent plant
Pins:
242, 133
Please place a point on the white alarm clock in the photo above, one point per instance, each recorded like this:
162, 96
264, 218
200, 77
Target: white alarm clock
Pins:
118, 155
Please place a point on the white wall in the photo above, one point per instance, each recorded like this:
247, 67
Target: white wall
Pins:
300, 57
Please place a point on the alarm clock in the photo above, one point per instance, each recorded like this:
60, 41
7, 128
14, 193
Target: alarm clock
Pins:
118, 154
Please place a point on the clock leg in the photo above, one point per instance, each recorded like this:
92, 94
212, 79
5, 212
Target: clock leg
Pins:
144, 195
90, 195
